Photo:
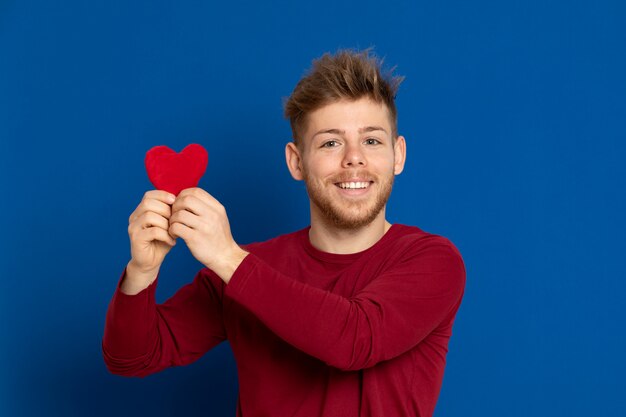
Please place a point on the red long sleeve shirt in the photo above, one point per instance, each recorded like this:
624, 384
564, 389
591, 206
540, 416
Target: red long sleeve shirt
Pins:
313, 333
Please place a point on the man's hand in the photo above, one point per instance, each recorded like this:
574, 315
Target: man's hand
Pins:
201, 221
149, 240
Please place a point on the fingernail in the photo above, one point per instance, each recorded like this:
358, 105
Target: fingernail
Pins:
171, 198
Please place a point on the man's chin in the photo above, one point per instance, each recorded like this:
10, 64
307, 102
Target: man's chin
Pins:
349, 221
348, 213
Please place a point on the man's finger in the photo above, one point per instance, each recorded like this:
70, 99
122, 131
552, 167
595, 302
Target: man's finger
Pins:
156, 233
189, 203
150, 219
201, 194
177, 230
160, 195
151, 205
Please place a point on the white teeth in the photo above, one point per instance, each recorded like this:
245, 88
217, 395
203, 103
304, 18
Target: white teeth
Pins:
353, 185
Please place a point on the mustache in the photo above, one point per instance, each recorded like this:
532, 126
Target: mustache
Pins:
348, 176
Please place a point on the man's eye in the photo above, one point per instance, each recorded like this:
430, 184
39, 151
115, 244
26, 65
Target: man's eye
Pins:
330, 144
372, 141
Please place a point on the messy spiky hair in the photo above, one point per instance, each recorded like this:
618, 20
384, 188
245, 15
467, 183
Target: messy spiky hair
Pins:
347, 74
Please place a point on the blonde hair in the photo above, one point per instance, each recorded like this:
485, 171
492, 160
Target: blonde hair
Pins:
347, 74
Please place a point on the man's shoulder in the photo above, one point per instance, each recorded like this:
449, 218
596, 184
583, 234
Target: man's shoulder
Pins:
417, 240
428, 252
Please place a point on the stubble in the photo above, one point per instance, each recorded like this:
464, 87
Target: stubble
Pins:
345, 213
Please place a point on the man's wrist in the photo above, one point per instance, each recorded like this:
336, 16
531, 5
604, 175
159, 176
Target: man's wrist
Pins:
136, 280
229, 264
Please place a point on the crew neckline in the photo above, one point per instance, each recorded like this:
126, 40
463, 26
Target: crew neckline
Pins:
345, 257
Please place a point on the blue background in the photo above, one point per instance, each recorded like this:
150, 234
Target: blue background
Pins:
515, 117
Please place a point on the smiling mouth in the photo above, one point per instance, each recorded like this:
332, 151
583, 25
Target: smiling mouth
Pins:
354, 185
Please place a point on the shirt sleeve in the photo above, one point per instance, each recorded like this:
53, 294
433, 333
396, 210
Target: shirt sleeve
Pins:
389, 316
141, 337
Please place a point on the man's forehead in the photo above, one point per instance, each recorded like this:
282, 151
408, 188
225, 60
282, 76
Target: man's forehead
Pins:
363, 115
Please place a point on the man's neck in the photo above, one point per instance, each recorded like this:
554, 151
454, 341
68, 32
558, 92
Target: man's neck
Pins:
343, 241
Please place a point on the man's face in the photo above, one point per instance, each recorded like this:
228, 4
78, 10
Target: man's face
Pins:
348, 161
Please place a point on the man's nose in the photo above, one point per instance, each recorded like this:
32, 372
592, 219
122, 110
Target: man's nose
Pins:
353, 156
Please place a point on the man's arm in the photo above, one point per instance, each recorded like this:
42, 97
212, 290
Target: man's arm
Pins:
391, 315
141, 337
388, 317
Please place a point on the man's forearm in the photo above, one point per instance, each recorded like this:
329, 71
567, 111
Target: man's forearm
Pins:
129, 330
390, 315
141, 337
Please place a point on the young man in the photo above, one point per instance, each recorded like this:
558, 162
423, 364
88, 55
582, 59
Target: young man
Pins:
350, 316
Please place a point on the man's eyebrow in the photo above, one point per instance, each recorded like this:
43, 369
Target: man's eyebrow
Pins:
371, 129
332, 131
342, 132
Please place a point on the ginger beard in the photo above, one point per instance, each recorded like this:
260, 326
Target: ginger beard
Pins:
345, 212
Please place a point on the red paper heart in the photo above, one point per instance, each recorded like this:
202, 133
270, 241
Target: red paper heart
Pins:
173, 172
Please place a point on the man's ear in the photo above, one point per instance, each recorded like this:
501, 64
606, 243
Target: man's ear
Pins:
294, 161
399, 155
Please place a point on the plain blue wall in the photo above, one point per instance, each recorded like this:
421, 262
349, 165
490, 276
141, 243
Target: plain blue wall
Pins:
515, 117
